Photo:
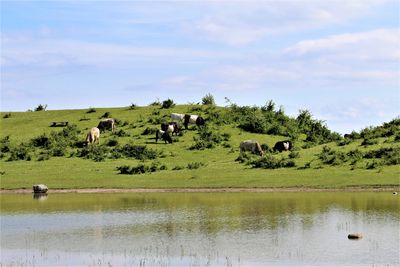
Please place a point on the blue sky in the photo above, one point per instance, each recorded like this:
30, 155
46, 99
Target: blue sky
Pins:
338, 59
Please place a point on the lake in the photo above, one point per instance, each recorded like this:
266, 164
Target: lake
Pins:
200, 229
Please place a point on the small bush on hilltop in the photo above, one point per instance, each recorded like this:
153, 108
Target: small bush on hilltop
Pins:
91, 110
208, 99
169, 103
40, 107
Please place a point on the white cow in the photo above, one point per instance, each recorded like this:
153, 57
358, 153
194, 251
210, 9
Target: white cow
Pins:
93, 136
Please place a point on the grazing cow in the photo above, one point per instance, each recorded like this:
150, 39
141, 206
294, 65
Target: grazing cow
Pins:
193, 119
93, 136
283, 146
171, 127
164, 135
177, 116
107, 124
40, 188
251, 145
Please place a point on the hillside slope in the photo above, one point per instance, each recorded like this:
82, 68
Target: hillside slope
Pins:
33, 152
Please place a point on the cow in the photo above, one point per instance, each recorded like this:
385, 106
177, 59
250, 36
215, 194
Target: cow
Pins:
93, 136
171, 127
283, 146
193, 119
107, 124
251, 145
177, 116
164, 135
40, 188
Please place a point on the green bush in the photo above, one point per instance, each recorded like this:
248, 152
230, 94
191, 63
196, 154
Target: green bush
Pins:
271, 162
141, 168
207, 138
169, 103
369, 142
20, 152
40, 107
121, 133
5, 144
7, 115
105, 115
91, 110
136, 151
195, 165
149, 130
112, 142
208, 99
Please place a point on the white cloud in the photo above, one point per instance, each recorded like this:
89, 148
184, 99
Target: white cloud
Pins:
241, 23
381, 43
58, 52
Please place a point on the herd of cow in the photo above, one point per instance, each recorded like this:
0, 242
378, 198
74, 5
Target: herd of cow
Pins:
173, 127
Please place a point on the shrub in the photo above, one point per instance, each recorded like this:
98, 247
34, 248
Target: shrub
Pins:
121, 133
369, 142
177, 168
5, 145
206, 139
208, 99
105, 115
112, 142
195, 165
42, 141
155, 103
372, 165
136, 151
132, 106
271, 162
355, 155
7, 115
329, 156
96, 153
40, 107
91, 110
141, 168
20, 152
294, 155
169, 103
149, 130
344, 142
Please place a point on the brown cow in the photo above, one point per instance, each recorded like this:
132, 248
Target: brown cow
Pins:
251, 145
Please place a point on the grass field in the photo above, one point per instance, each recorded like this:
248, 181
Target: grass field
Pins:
217, 167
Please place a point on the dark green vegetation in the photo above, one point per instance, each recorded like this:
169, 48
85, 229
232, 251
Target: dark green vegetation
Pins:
34, 152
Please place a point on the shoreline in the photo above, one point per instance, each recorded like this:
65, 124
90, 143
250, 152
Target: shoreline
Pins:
207, 190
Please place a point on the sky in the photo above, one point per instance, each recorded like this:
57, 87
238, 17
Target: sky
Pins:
339, 59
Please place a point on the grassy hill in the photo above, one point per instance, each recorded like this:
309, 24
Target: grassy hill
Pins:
33, 152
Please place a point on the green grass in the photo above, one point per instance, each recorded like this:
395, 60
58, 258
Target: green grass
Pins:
220, 169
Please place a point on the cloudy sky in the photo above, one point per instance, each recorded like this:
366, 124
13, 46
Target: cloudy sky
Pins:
338, 59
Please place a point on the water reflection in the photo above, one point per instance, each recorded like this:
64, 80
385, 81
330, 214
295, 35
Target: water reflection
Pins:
40, 196
213, 229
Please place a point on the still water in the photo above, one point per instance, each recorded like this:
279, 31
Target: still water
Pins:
200, 229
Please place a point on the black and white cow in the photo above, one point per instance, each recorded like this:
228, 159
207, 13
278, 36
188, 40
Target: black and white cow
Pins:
164, 135
283, 146
171, 127
177, 116
193, 119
